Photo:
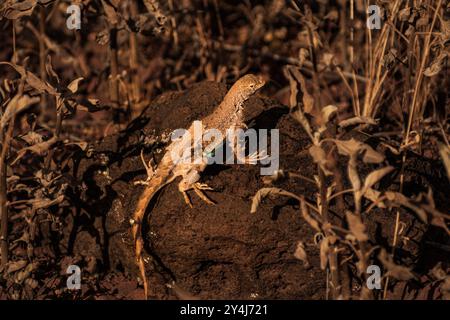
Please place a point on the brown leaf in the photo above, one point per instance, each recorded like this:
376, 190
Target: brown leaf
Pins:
353, 147
356, 121
324, 250
328, 112
404, 14
110, 11
394, 270
265, 192
300, 253
370, 155
297, 113
423, 21
357, 228
307, 99
24, 274
374, 196
45, 203
73, 86
376, 176
181, 293
33, 80
32, 137
153, 7
16, 265
307, 216
444, 151
400, 199
17, 10
319, 157
49, 68
39, 148
17, 104
436, 66
438, 273
348, 147
82, 145
353, 174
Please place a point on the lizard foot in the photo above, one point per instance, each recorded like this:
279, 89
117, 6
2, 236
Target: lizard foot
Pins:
199, 187
202, 186
149, 168
255, 157
186, 199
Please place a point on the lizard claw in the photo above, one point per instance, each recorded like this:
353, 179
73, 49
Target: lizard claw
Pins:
186, 199
148, 168
199, 187
202, 186
255, 157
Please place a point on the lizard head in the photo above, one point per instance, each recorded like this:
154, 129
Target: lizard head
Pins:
249, 84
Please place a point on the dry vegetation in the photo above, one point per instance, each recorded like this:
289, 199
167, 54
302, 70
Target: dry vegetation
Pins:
369, 100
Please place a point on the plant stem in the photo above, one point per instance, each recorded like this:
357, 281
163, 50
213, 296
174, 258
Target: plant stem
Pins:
3, 193
135, 87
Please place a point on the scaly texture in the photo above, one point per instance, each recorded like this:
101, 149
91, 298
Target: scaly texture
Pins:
229, 114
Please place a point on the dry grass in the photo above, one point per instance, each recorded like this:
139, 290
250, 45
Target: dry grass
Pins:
362, 96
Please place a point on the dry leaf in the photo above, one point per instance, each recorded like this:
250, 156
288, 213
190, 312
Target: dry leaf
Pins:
17, 104
319, 157
353, 147
400, 199
445, 155
300, 253
73, 86
308, 218
45, 202
370, 155
423, 21
353, 174
49, 68
357, 228
356, 121
324, 250
348, 147
328, 112
297, 112
16, 266
39, 148
33, 80
375, 176
265, 192
404, 14
374, 196
32, 138
153, 7
437, 272
110, 12
436, 66
396, 271
82, 145
17, 10
24, 274
181, 293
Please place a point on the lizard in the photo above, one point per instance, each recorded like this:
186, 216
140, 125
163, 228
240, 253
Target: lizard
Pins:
228, 114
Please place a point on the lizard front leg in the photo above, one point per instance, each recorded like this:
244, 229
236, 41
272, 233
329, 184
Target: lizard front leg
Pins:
238, 149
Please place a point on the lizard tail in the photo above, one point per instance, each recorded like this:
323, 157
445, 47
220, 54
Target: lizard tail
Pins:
155, 184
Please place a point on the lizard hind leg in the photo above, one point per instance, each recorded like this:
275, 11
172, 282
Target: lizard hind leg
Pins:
190, 181
198, 188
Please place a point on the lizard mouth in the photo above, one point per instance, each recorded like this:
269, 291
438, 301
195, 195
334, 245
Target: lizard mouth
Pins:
261, 82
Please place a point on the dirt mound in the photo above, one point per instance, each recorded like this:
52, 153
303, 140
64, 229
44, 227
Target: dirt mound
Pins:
213, 252
219, 251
